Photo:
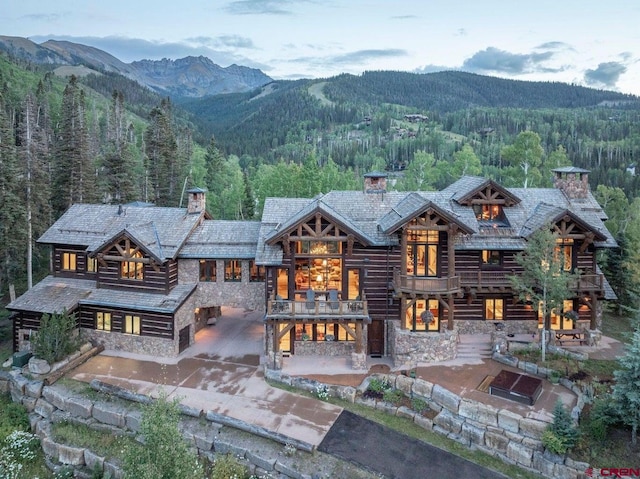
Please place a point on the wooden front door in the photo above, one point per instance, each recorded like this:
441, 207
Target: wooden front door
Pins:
376, 338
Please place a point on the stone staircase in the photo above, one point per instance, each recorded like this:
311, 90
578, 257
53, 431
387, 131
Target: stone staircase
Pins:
474, 346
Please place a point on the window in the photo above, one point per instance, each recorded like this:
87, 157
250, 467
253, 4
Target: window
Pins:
92, 265
564, 248
69, 261
258, 273
133, 269
132, 324
103, 321
207, 270
494, 309
422, 252
565, 320
491, 213
423, 315
491, 258
233, 270
322, 332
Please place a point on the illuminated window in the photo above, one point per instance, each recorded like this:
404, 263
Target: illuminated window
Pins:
233, 270
564, 248
423, 315
207, 270
422, 252
69, 261
92, 265
132, 324
491, 258
488, 212
494, 309
103, 321
133, 269
258, 273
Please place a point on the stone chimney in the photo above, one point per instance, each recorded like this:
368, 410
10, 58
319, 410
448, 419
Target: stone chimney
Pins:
375, 182
197, 201
572, 181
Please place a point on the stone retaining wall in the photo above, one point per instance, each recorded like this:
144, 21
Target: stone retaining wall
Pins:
409, 347
119, 413
498, 432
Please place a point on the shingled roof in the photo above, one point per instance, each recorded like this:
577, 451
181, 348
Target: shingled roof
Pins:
218, 239
163, 230
54, 294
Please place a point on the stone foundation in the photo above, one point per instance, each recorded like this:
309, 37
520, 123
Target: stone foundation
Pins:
324, 348
408, 347
485, 327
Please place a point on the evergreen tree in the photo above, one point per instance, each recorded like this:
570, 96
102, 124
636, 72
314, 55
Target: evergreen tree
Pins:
248, 202
117, 179
543, 280
73, 172
626, 391
13, 218
161, 153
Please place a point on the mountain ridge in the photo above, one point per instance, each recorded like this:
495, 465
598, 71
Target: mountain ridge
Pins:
186, 77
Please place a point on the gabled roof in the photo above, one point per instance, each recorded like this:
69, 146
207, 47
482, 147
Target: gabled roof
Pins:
91, 226
318, 205
220, 239
144, 236
545, 214
414, 205
468, 188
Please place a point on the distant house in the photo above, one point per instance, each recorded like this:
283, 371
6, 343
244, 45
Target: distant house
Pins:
485, 131
348, 273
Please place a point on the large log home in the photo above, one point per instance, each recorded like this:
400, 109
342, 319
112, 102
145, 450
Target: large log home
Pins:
348, 273
402, 274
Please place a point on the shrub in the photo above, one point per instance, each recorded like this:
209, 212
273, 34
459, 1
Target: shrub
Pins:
602, 415
14, 417
228, 467
419, 405
393, 396
322, 392
165, 454
56, 337
562, 434
379, 385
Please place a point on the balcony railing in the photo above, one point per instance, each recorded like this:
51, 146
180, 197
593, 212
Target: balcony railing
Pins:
588, 282
319, 308
420, 284
487, 279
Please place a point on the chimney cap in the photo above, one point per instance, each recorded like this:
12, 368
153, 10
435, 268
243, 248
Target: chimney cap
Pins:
196, 190
375, 174
570, 169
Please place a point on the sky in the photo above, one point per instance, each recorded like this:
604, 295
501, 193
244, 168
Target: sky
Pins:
594, 43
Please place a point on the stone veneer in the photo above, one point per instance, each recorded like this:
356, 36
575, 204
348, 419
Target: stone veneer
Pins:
409, 347
242, 294
483, 327
324, 348
159, 347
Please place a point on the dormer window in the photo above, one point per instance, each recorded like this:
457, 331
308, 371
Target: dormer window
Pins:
132, 269
492, 213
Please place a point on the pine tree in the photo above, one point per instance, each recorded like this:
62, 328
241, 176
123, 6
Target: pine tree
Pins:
13, 234
117, 179
626, 391
248, 202
161, 154
73, 172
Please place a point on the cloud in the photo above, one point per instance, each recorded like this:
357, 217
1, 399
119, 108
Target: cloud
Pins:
606, 74
363, 56
260, 7
554, 46
230, 41
45, 17
494, 60
433, 69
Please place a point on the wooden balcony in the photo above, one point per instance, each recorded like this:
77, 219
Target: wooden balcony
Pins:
485, 279
318, 309
591, 282
405, 283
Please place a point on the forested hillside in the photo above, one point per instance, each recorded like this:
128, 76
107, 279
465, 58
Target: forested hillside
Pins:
104, 138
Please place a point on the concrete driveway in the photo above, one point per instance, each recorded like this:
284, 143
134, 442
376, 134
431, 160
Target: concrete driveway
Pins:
221, 373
